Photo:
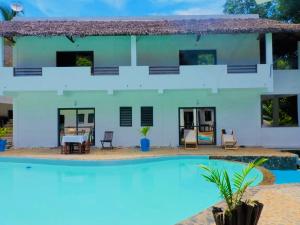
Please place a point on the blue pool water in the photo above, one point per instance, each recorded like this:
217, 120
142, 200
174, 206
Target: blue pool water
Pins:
286, 176
159, 191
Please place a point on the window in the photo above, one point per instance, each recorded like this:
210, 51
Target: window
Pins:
207, 115
91, 117
72, 59
197, 57
125, 116
279, 110
146, 116
80, 118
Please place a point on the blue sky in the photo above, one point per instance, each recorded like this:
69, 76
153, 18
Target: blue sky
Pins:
92, 8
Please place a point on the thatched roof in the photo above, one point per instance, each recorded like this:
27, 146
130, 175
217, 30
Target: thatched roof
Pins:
143, 27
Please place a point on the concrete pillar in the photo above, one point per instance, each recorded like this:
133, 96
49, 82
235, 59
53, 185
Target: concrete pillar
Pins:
1, 52
269, 48
298, 55
133, 51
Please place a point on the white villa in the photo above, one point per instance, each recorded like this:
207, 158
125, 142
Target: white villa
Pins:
171, 73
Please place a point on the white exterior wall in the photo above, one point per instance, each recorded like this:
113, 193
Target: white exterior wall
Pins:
231, 49
285, 82
41, 52
35, 118
151, 50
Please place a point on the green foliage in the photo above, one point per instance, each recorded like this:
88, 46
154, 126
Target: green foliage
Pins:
232, 191
6, 12
247, 7
3, 132
83, 61
144, 131
285, 10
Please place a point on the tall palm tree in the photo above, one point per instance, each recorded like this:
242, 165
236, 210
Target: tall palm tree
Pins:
6, 12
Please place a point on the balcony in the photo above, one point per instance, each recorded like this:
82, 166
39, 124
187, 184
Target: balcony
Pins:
61, 79
286, 81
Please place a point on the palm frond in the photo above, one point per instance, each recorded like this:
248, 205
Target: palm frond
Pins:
6, 12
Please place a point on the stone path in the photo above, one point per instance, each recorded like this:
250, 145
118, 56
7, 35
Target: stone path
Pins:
281, 206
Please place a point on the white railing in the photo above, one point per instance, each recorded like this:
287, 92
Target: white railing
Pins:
134, 78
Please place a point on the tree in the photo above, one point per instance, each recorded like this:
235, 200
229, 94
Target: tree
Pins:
248, 7
6, 12
289, 10
285, 10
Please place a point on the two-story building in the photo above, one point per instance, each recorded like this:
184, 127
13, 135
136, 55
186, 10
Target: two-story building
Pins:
171, 73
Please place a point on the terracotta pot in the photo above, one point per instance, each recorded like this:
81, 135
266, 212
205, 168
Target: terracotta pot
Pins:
244, 214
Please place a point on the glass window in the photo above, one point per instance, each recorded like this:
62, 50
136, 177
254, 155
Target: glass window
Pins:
197, 57
279, 110
146, 116
80, 118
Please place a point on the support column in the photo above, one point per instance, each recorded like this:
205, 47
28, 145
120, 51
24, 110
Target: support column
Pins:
1, 51
269, 49
298, 55
133, 51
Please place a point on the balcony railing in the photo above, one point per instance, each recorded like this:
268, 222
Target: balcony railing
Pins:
60, 79
241, 68
20, 72
107, 70
163, 70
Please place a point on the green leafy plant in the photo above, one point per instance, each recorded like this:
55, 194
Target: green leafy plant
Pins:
232, 190
3, 132
144, 131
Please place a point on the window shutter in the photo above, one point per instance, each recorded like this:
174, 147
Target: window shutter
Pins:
146, 116
125, 116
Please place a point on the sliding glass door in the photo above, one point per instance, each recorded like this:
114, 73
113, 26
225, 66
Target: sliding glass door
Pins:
76, 121
202, 120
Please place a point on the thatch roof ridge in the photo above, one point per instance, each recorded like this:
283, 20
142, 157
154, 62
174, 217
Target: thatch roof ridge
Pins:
143, 27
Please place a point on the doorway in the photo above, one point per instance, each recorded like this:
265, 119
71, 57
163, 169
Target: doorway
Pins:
200, 119
76, 121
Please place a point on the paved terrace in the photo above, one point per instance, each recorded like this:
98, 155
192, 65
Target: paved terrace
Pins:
277, 159
281, 206
130, 153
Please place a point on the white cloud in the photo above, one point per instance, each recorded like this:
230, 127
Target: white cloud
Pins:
197, 11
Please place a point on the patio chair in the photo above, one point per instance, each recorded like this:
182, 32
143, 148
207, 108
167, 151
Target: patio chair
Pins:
190, 139
108, 138
229, 141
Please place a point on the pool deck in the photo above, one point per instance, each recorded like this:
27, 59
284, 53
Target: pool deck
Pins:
131, 153
281, 206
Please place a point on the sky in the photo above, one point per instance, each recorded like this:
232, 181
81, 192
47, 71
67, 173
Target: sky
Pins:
94, 8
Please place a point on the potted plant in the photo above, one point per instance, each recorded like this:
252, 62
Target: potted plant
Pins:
238, 211
3, 133
145, 142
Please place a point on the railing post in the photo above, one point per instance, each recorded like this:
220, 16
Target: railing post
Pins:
133, 51
269, 49
1, 52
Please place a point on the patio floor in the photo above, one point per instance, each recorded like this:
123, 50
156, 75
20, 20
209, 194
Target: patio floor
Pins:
127, 153
281, 206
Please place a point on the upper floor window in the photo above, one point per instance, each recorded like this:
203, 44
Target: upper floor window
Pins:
197, 57
72, 59
279, 110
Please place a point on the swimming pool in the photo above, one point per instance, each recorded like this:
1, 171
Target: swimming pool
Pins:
160, 191
286, 176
